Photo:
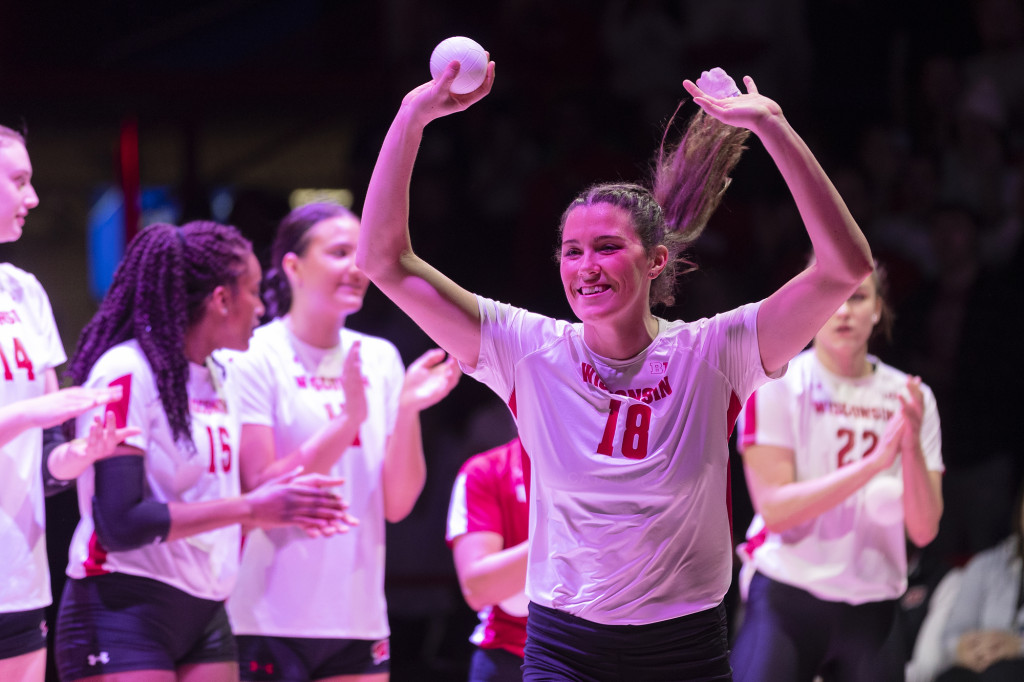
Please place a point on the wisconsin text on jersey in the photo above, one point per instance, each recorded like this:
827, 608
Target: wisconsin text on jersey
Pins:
647, 394
319, 383
199, 406
827, 406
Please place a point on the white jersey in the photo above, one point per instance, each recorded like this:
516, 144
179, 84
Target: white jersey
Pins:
29, 347
629, 521
203, 565
291, 585
828, 421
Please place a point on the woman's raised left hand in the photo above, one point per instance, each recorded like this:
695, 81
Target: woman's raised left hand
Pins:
429, 379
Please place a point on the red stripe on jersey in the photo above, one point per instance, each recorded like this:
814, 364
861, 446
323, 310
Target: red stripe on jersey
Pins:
728, 496
750, 421
734, 411
525, 457
120, 408
96, 558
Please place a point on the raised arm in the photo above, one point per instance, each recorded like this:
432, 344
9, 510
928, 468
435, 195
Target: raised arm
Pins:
445, 311
922, 489
789, 318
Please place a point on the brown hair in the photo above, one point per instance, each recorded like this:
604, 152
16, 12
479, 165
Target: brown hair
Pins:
687, 184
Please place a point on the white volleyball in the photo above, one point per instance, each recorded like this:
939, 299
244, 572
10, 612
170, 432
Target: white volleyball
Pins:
472, 63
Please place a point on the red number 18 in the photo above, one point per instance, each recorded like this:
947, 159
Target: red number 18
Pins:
635, 433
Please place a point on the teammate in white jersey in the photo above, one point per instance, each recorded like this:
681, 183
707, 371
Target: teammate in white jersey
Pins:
318, 395
626, 416
826, 554
30, 350
156, 551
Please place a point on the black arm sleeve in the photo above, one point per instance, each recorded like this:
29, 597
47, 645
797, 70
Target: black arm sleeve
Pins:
124, 517
52, 438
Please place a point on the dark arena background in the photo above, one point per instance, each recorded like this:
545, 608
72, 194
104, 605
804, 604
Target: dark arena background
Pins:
234, 109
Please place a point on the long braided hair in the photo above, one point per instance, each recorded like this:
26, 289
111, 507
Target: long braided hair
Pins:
158, 292
292, 237
687, 184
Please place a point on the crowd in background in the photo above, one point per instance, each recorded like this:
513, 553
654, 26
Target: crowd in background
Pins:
915, 111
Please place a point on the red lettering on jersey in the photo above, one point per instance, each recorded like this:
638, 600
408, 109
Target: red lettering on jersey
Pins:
21, 360
7, 367
225, 449
647, 394
855, 411
868, 437
9, 317
635, 433
201, 406
590, 376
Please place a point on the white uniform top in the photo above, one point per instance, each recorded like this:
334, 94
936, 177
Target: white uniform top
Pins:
202, 565
29, 346
291, 585
629, 521
828, 421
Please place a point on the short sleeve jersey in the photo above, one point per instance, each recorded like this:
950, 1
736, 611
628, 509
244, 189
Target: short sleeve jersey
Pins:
830, 421
203, 565
489, 495
29, 346
291, 585
629, 519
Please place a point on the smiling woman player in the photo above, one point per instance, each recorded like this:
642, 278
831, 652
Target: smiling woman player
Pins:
626, 416
30, 402
156, 551
333, 400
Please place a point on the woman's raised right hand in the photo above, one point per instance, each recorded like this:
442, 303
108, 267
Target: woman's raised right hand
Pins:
435, 99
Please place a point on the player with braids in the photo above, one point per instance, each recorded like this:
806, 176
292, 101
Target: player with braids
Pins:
156, 551
309, 609
626, 415
134, 312
34, 457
